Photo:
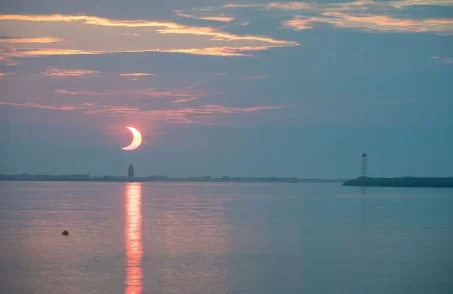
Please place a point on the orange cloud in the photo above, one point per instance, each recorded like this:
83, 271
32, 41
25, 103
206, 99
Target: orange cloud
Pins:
87, 37
222, 51
37, 52
58, 72
372, 22
361, 14
165, 27
299, 23
387, 23
43, 40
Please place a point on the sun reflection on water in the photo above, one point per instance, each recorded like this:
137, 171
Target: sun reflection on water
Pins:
133, 237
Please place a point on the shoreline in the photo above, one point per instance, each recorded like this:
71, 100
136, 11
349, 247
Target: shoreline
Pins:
403, 182
207, 179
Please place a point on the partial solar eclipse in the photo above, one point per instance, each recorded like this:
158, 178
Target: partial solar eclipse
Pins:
136, 141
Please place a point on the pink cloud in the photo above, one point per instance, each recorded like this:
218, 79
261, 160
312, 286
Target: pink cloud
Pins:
200, 115
136, 74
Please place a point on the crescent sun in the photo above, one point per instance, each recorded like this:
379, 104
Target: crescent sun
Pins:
136, 141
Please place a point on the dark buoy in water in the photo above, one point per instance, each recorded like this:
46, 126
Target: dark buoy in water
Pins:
65, 233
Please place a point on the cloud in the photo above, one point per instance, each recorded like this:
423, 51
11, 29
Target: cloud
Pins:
289, 5
366, 22
366, 15
38, 52
200, 115
185, 100
132, 35
49, 107
222, 51
444, 60
239, 5
136, 74
299, 23
178, 94
219, 18
86, 93
387, 23
98, 35
59, 72
43, 40
407, 3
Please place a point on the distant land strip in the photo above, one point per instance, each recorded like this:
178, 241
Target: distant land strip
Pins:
88, 178
446, 182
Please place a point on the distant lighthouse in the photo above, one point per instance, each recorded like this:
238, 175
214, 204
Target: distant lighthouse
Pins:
364, 165
130, 171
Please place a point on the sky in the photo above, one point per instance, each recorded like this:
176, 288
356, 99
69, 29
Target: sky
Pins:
227, 88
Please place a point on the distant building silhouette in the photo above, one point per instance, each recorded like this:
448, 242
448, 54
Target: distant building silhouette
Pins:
130, 171
364, 165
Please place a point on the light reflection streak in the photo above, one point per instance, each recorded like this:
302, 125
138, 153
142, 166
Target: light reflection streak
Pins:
133, 237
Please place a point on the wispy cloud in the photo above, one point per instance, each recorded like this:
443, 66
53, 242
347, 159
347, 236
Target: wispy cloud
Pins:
60, 72
202, 114
387, 23
44, 40
222, 51
85, 93
180, 95
132, 35
164, 27
49, 107
289, 6
219, 18
365, 15
199, 115
97, 35
185, 100
242, 5
444, 60
136, 74
299, 23
372, 22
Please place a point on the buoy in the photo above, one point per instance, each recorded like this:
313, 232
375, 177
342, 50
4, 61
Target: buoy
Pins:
65, 233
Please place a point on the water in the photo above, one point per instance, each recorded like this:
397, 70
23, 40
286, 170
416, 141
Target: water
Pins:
224, 238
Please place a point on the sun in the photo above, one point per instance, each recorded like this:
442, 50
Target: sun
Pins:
136, 141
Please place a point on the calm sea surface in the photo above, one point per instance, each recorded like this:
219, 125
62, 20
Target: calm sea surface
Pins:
224, 238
